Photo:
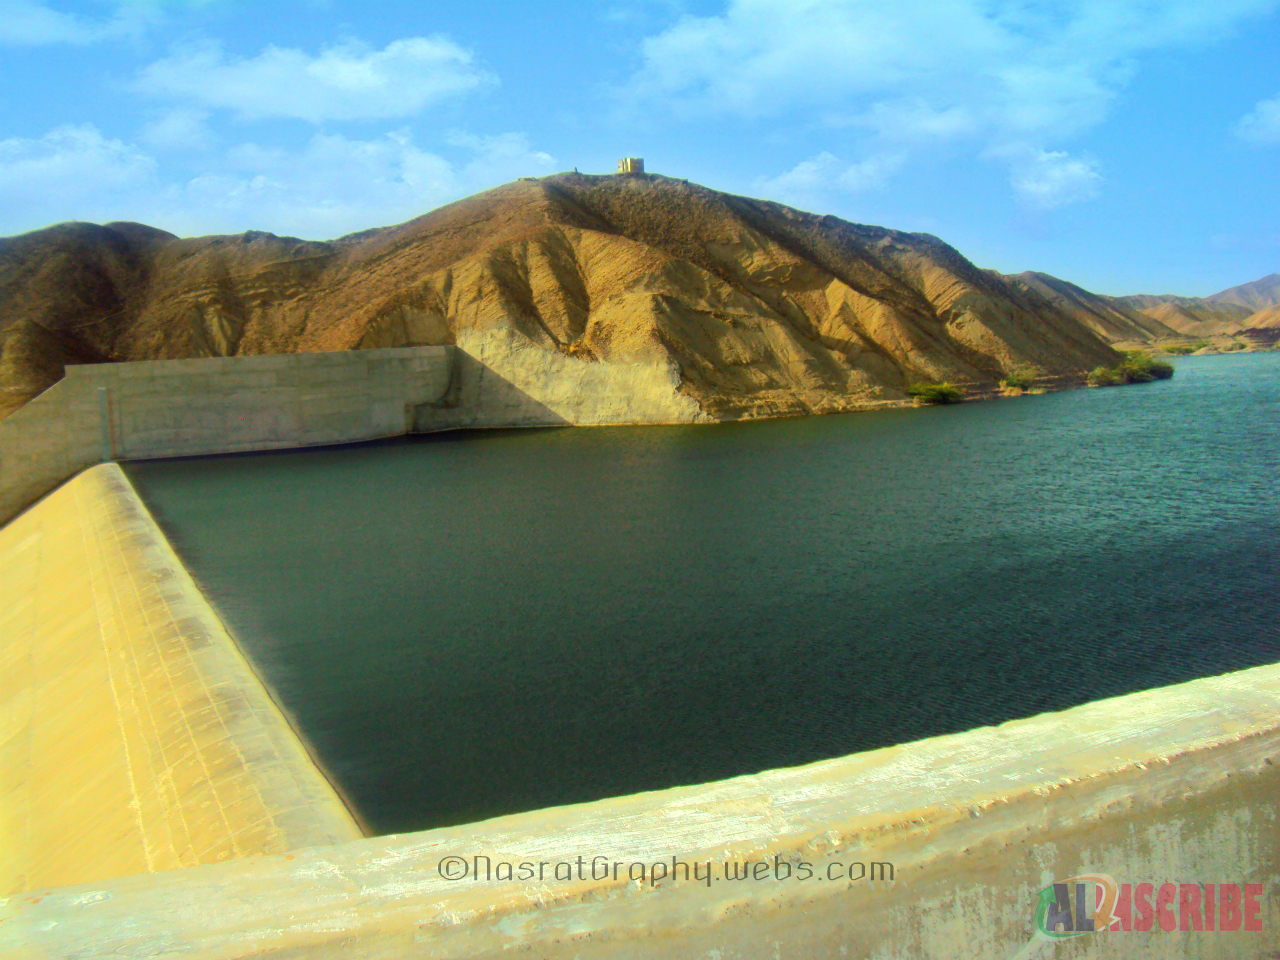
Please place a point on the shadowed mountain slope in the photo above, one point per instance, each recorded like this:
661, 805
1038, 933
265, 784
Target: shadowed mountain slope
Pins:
766, 310
1107, 316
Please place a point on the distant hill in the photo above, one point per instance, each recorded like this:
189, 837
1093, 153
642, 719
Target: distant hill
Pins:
1243, 312
1232, 313
766, 310
1268, 319
1257, 295
1190, 316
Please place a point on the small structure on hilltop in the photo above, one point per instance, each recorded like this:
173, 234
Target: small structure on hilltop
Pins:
631, 165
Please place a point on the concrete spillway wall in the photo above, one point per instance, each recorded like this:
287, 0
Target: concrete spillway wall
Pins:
1175, 786
134, 737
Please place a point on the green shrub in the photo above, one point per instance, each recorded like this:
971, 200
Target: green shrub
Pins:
1104, 376
1023, 378
1137, 367
1141, 368
935, 393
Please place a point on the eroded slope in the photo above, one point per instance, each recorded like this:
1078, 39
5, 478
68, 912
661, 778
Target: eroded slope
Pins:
765, 310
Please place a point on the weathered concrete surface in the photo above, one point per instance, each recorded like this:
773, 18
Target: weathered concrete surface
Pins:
1179, 784
174, 408
134, 737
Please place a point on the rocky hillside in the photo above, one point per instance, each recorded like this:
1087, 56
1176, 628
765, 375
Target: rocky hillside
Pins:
764, 309
1192, 316
1265, 319
1109, 317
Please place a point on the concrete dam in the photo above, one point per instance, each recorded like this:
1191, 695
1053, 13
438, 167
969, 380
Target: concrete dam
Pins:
157, 799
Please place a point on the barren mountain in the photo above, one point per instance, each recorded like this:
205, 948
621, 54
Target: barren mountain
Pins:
1257, 295
1247, 310
1107, 316
1191, 316
1267, 319
765, 310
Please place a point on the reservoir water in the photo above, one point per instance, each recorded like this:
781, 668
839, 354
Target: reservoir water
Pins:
468, 625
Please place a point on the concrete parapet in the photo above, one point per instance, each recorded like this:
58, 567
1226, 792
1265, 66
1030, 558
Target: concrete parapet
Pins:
134, 737
177, 408
1176, 785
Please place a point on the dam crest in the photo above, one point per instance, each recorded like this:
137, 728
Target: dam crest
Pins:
155, 800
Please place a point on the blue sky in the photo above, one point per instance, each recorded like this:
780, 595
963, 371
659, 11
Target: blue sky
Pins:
1130, 146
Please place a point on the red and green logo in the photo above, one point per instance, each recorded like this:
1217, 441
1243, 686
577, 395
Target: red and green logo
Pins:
1096, 903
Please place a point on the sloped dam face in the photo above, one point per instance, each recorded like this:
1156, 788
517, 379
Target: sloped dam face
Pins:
476, 624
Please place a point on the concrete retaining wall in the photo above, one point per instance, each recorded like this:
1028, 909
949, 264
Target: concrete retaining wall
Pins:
1173, 786
134, 737
174, 408
177, 408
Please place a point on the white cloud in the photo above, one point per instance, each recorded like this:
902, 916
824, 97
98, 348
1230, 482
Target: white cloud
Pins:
331, 186
346, 82
32, 23
336, 185
1002, 74
1262, 123
928, 68
72, 172
179, 130
1048, 179
499, 159
812, 178
914, 119
763, 57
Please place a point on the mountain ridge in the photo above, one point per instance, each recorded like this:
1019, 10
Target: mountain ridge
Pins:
765, 310
1258, 294
1238, 311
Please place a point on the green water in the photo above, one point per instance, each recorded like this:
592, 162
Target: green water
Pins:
471, 625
